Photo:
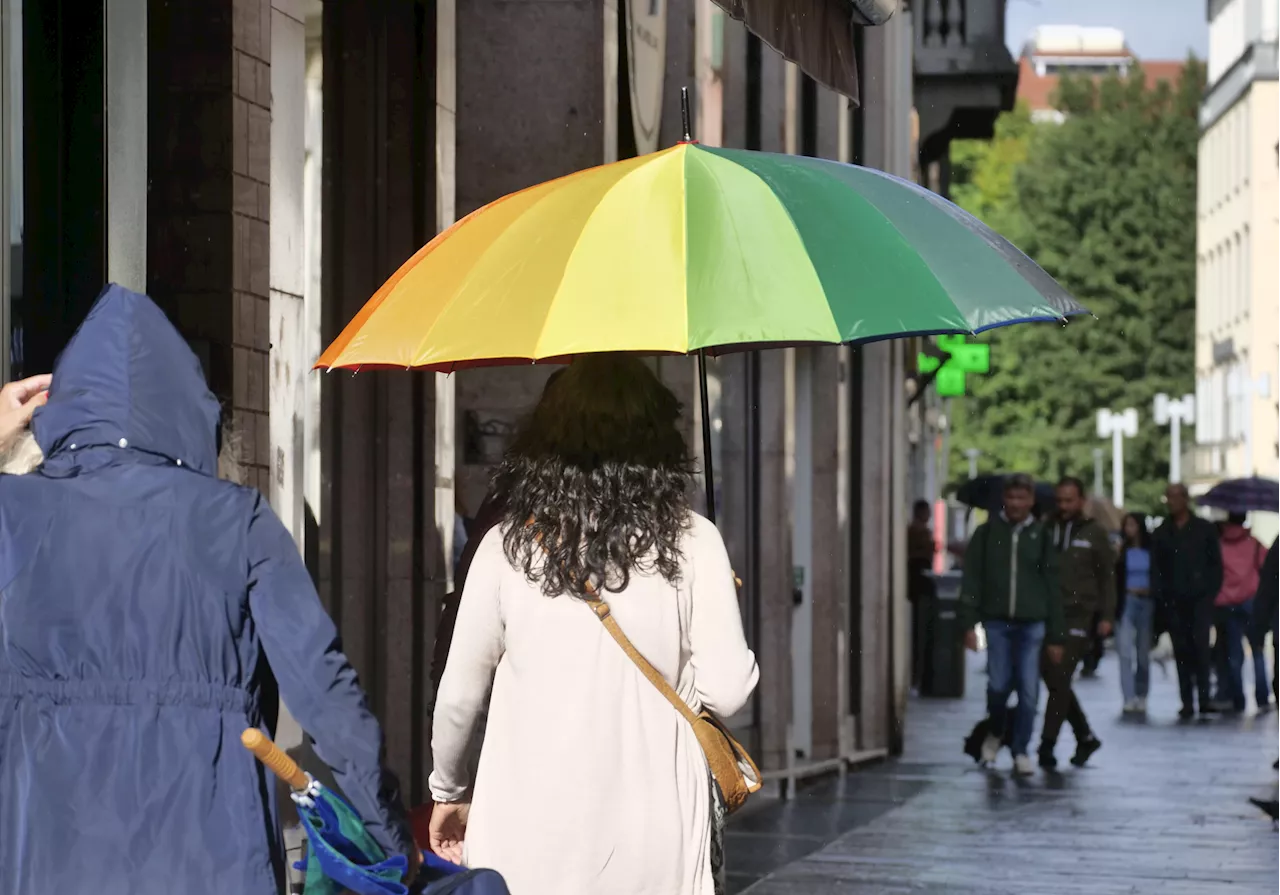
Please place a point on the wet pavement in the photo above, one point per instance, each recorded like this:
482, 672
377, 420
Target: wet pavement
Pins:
1163, 809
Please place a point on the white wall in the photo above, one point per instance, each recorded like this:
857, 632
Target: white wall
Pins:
1226, 37
1237, 25
288, 362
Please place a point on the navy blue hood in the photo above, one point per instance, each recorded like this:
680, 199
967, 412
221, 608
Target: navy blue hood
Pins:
127, 379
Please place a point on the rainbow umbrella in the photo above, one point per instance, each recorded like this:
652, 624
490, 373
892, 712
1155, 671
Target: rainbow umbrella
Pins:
696, 249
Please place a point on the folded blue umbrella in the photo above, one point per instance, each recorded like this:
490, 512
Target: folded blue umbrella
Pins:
341, 855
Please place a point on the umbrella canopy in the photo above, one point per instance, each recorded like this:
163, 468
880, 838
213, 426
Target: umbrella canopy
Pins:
1249, 495
696, 248
986, 492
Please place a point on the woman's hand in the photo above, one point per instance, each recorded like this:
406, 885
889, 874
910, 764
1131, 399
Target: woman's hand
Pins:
18, 400
449, 829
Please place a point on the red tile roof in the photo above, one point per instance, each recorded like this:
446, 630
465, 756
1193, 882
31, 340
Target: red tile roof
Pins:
1037, 91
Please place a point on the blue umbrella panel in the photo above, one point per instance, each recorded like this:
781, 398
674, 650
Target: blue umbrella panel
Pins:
341, 855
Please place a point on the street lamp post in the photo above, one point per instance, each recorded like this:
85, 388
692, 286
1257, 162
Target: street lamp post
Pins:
1117, 427
1174, 412
1097, 471
973, 454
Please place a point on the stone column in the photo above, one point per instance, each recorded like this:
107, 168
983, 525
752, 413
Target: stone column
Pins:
532, 80
381, 566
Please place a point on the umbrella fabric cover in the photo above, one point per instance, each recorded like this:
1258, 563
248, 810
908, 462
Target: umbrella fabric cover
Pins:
696, 248
1249, 495
987, 492
341, 855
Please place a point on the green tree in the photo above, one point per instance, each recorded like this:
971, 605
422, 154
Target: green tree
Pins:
1106, 203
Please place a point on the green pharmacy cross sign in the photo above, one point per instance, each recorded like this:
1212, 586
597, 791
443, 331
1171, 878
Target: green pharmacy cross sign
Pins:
965, 358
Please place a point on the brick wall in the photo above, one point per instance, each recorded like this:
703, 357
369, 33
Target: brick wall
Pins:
251, 237
208, 255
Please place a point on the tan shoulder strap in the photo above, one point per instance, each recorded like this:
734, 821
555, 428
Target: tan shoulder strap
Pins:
602, 611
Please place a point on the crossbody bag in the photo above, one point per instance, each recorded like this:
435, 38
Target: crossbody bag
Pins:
731, 767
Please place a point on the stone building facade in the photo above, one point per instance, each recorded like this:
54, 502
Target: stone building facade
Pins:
261, 166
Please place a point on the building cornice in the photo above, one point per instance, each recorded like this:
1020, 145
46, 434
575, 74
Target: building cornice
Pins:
1257, 63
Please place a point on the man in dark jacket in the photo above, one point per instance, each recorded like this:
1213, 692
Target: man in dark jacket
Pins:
1186, 575
1086, 577
150, 612
1010, 585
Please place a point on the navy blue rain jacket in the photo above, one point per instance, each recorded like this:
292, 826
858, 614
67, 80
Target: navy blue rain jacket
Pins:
147, 612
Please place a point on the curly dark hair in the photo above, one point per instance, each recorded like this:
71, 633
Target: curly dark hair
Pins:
596, 484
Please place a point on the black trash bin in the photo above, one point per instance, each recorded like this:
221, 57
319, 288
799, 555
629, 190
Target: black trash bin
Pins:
943, 646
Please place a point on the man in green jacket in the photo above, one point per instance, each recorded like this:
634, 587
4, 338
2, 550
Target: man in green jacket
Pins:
1010, 585
1087, 582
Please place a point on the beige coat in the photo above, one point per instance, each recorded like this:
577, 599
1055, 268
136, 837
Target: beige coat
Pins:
589, 781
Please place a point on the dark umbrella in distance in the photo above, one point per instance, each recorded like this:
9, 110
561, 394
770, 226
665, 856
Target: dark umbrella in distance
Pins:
1249, 495
987, 492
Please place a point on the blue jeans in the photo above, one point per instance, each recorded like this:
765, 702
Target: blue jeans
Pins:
1233, 624
1258, 646
1133, 643
1013, 663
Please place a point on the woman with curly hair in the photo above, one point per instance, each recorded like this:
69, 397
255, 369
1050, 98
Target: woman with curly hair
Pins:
589, 781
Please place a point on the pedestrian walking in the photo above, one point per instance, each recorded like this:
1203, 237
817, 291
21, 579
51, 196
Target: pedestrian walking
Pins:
1010, 585
1266, 617
1186, 576
1242, 559
152, 613
1137, 622
920, 587
589, 779
489, 514
1086, 582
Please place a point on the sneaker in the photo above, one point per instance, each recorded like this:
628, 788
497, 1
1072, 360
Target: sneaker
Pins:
1142, 705
1085, 749
1131, 707
1186, 713
990, 749
1022, 766
1047, 759
1269, 807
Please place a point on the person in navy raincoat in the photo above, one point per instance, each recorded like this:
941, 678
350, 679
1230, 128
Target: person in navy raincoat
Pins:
147, 612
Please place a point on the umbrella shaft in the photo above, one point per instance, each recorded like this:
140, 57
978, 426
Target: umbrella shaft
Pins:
708, 473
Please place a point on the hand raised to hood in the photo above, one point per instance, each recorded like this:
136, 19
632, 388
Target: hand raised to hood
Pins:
18, 401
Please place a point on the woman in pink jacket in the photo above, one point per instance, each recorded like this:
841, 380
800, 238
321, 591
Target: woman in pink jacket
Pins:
1242, 558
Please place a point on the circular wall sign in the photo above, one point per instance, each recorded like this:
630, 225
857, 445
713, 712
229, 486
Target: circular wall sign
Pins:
647, 64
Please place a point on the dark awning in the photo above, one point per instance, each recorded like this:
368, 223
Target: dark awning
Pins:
817, 35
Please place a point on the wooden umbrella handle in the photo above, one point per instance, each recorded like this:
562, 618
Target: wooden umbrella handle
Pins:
275, 758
